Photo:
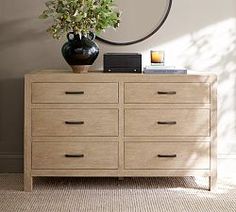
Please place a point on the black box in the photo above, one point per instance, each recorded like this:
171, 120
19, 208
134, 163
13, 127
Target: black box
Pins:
122, 63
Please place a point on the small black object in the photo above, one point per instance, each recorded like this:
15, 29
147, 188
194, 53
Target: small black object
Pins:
166, 92
167, 122
167, 156
74, 122
74, 155
74, 92
122, 63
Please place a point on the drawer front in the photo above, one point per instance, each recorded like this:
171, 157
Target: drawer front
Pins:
69, 155
75, 93
167, 122
169, 155
167, 93
75, 122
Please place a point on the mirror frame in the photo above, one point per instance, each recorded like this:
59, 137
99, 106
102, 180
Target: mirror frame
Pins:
141, 39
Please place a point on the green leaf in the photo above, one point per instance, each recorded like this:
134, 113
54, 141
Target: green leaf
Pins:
80, 16
43, 16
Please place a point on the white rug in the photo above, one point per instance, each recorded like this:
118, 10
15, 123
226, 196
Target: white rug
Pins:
111, 195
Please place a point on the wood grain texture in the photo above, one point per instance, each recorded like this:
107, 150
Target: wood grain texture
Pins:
145, 122
28, 181
148, 155
119, 135
121, 126
167, 139
122, 173
213, 177
163, 106
169, 93
91, 93
96, 155
97, 122
74, 139
74, 106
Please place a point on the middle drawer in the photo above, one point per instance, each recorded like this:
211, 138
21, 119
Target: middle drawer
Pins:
167, 122
75, 122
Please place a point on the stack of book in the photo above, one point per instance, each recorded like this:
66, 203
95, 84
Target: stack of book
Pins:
164, 70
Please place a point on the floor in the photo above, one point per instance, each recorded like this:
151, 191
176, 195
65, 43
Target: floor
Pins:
112, 195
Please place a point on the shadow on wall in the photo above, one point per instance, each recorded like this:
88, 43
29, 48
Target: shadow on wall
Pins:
11, 115
18, 32
23, 45
214, 50
211, 49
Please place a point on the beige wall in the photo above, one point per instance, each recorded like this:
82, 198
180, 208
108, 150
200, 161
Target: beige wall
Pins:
198, 34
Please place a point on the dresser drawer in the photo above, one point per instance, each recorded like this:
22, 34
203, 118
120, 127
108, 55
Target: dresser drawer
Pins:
75, 93
70, 155
75, 122
167, 122
184, 155
167, 93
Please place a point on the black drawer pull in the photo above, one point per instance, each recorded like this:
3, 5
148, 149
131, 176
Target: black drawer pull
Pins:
167, 156
74, 155
74, 92
166, 92
167, 122
74, 122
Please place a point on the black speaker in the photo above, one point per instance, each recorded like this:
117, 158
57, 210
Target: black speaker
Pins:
122, 63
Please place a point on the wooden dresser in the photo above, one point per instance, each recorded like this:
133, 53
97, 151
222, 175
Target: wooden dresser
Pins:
119, 125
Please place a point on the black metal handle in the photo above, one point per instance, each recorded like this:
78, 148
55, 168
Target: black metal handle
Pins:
74, 92
166, 92
74, 155
167, 122
167, 156
74, 122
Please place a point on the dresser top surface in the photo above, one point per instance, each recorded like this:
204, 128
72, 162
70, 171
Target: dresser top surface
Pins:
68, 75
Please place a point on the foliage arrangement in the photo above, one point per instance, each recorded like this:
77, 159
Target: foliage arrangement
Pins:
80, 16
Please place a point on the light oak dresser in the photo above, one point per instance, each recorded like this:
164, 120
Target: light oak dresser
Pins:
119, 125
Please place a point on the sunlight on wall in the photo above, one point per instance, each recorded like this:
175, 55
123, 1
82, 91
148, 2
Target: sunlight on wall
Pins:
211, 49
202, 49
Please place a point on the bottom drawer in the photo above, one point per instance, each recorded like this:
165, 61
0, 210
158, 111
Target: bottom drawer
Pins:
71, 155
181, 155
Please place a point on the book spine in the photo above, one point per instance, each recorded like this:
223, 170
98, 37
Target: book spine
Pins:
183, 71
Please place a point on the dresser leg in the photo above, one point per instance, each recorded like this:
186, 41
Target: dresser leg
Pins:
212, 183
28, 183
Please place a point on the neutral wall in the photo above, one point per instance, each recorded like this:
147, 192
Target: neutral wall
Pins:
200, 35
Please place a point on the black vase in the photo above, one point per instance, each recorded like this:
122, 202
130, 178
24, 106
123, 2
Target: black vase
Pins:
80, 52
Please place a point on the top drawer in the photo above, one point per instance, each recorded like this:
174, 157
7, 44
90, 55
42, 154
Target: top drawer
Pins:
75, 93
167, 93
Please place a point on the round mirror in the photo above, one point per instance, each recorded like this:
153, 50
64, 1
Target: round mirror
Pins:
139, 20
